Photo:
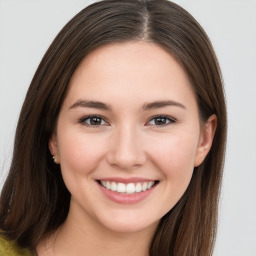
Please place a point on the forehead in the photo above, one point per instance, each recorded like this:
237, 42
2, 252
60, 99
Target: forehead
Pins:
139, 70
135, 57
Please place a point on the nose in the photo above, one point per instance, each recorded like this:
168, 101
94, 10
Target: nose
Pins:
126, 149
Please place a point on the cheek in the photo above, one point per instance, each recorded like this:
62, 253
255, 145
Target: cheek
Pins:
174, 156
79, 152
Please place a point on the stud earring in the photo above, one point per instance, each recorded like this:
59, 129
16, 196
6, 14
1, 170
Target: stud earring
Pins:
55, 159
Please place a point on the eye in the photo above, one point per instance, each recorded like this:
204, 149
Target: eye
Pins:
161, 120
93, 121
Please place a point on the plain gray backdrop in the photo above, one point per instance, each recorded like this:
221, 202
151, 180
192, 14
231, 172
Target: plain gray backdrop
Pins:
27, 27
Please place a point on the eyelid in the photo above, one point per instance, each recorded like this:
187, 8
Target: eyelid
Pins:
84, 118
171, 119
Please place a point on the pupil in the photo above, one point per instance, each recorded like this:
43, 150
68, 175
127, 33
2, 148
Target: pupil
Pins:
95, 121
160, 120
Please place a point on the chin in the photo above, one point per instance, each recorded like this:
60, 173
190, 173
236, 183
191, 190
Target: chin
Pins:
129, 224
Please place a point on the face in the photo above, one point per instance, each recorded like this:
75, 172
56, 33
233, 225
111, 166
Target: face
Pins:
128, 136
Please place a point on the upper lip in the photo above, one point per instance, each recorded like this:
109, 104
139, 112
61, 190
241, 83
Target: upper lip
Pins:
127, 180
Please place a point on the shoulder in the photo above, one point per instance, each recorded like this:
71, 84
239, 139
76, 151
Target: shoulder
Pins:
10, 248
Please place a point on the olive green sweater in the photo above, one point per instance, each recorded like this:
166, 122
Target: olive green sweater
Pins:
10, 248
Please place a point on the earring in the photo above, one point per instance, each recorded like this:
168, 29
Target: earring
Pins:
55, 159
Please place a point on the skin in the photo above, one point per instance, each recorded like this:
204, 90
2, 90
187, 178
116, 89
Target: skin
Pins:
127, 142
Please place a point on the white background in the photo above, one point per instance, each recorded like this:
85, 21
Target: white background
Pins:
27, 27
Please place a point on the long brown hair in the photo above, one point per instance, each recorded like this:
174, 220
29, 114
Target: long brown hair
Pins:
34, 200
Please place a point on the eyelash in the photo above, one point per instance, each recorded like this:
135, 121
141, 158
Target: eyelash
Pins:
90, 117
168, 119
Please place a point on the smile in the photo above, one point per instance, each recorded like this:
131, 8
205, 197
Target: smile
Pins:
130, 188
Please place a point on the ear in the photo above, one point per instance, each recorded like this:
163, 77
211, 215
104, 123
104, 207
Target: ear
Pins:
53, 147
206, 138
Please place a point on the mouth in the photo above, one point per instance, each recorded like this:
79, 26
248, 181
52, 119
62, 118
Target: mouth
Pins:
128, 188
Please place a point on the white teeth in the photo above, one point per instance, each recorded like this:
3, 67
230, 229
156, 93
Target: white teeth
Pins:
150, 184
129, 188
113, 186
108, 185
138, 187
120, 188
144, 186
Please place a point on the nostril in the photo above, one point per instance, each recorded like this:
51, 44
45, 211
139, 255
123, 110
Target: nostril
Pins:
126, 161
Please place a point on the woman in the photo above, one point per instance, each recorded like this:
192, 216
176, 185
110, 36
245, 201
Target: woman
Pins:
120, 142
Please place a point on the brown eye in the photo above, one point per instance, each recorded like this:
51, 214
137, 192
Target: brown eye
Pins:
161, 121
93, 121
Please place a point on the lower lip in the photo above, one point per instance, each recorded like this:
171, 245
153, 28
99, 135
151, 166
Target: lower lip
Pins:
126, 198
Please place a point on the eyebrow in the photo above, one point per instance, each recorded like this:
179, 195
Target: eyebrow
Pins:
91, 104
162, 104
106, 107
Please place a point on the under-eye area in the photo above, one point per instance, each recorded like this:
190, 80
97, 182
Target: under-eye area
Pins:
129, 188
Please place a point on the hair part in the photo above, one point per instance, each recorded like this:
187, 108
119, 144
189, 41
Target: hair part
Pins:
34, 200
